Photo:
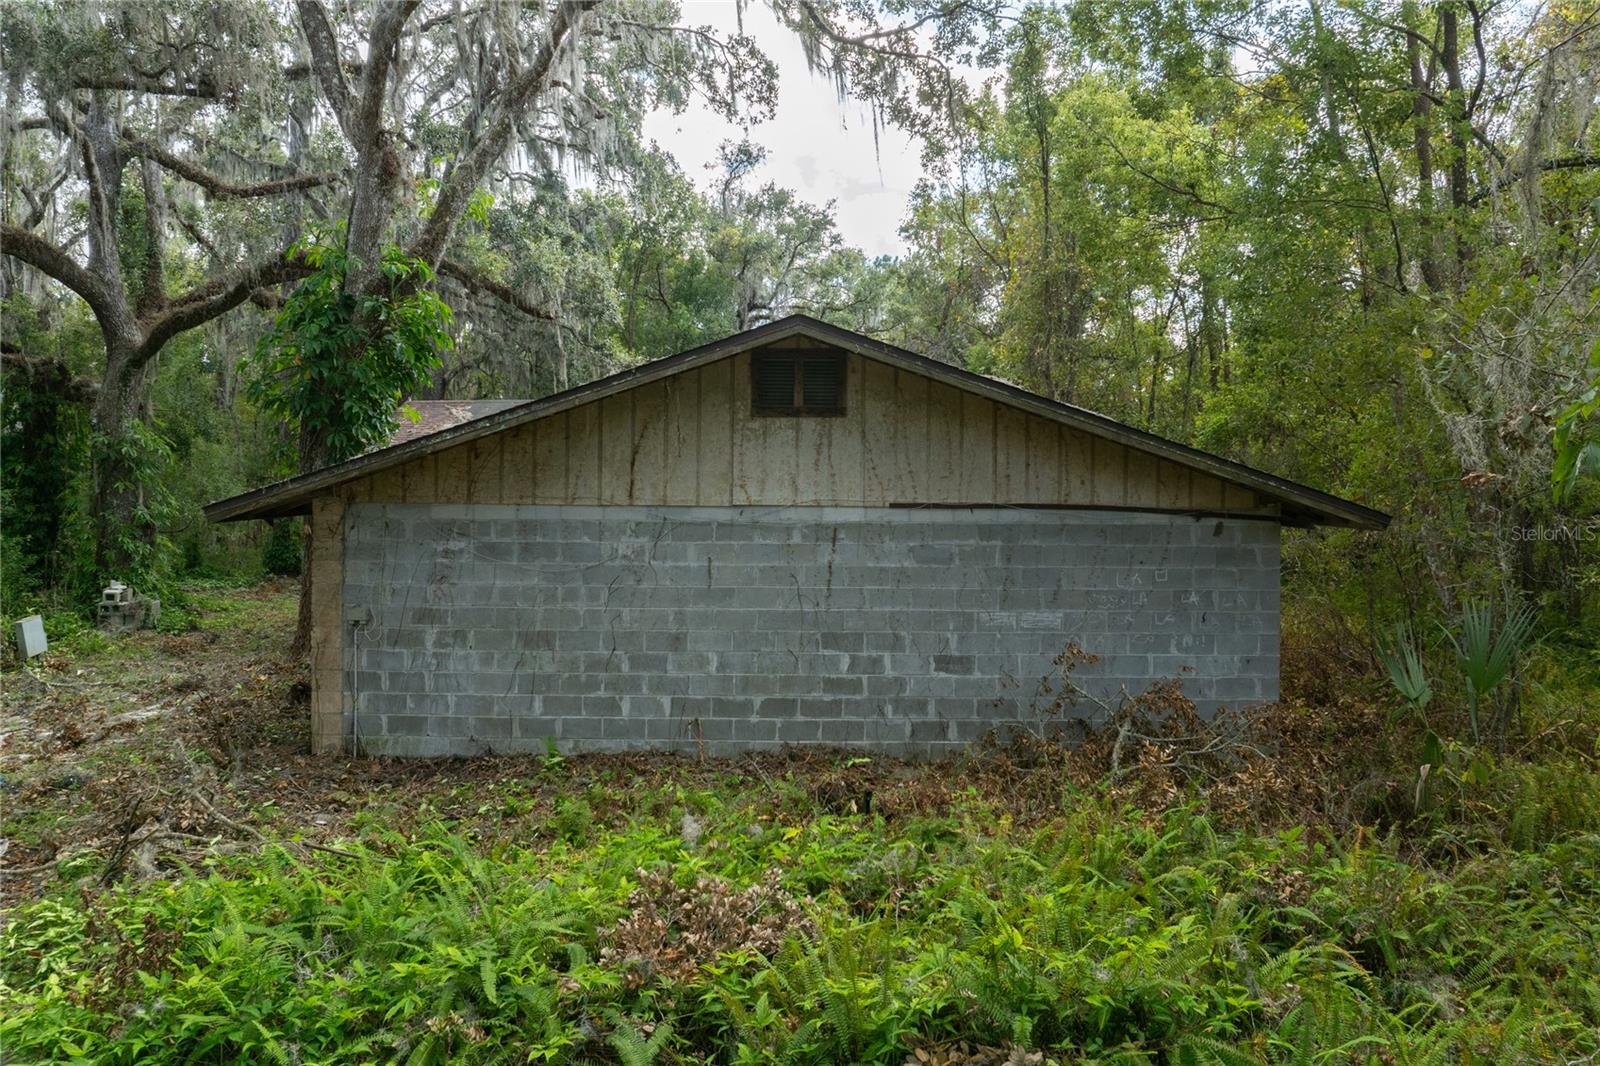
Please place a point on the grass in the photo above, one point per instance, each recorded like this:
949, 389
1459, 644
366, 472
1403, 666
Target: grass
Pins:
802, 908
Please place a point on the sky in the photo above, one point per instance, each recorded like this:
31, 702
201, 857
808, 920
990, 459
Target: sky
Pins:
817, 145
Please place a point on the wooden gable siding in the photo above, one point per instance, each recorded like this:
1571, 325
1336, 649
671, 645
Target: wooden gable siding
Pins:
690, 440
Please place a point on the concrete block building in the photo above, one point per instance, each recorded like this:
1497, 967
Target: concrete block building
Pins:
796, 535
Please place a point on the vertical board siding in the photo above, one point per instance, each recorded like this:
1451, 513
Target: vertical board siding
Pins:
617, 471
517, 464
847, 443
911, 436
583, 455
977, 448
1077, 461
647, 466
1110, 473
814, 473
1172, 486
1205, 492
1141, 483
550, 481
1011, 456
417, 479
487, 457
1044, 461
453, 472
877, 426
714, 471
904, 439
681, 432
944, 457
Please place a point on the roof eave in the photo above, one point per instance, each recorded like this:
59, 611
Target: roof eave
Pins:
242, 507
1302, 504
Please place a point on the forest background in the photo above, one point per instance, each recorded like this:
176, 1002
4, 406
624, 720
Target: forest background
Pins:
1356, 244
1352, 244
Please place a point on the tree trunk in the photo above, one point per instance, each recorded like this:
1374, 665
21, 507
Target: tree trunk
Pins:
1155, 381
313, 454
1191, 358
124, 534
1047, 369
300, 647
1211, 333
630, 319
1330, 110
1422, 147
1450, 24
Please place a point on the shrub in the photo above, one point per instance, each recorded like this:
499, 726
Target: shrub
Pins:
280, 552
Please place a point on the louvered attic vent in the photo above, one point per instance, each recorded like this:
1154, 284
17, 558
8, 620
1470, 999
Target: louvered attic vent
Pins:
797, 383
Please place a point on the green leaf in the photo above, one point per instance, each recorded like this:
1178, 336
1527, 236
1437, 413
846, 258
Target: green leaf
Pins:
489, 979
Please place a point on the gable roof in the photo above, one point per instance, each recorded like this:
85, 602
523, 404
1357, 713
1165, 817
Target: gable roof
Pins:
1301, 504
434, 415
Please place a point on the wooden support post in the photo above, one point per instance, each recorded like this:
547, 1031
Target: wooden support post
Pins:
327, 625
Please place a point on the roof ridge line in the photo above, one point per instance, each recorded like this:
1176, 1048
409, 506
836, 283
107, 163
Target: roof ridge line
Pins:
1332, 509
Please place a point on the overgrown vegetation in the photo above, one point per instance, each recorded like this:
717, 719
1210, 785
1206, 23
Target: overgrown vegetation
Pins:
339, 364
1272, 888
1355, 245
1104, 935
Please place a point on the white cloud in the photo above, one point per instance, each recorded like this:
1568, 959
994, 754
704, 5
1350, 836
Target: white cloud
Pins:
821, 147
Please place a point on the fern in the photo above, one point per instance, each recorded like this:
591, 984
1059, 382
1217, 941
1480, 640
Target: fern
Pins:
631, 1046
1204, 1051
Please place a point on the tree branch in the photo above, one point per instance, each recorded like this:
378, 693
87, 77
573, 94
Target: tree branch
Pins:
152, 290
866, 39
325, 62
1567, 162
192, 228
386, 29
39, 203
464, 274
1173, 187
218, 186
216, 297
1572, 162
49, 368
202, 89
103, 163
296, 71
1483, 59
470, 169
45, 257
868, 42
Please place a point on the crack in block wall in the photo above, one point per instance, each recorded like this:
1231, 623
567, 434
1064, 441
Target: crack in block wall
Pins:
899, 630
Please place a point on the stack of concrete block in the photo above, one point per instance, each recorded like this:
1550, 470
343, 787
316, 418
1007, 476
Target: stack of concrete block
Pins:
122, 609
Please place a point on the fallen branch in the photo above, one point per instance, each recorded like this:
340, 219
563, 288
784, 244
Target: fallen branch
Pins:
60, 682
195, 793
27, 871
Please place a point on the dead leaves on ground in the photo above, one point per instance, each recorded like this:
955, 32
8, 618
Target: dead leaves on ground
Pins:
965, 1053
244, 719
672, 931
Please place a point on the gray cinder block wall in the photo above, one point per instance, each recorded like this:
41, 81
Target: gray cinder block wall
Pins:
477, 628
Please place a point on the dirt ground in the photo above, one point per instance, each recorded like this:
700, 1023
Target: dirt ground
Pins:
143, 755
146, 755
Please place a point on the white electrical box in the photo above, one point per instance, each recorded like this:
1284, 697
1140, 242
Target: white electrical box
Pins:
30, 637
